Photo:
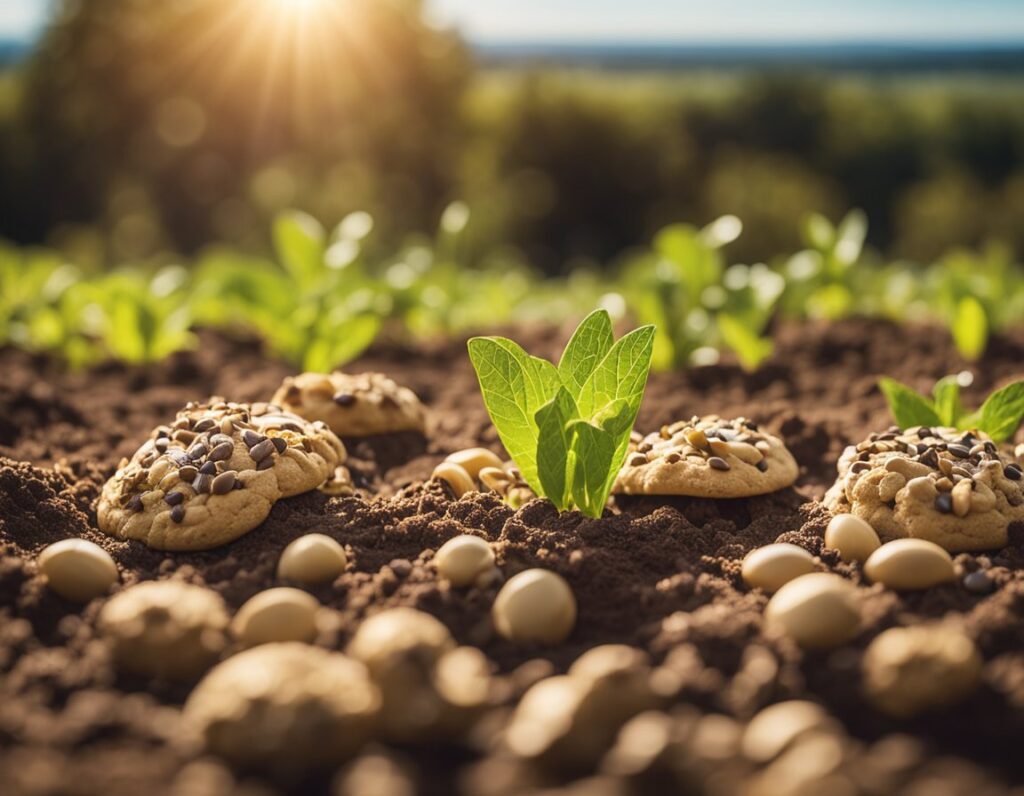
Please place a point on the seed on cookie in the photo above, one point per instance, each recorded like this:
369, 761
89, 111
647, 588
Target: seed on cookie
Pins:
353, 404
707, 457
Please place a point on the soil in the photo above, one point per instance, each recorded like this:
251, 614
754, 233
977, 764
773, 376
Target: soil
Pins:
659, 574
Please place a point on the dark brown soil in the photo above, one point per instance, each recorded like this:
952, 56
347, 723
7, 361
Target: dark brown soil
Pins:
658, 575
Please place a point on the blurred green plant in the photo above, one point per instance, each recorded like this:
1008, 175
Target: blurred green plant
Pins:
318, 307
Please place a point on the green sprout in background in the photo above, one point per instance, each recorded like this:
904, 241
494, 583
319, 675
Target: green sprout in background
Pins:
567, 427
999, 416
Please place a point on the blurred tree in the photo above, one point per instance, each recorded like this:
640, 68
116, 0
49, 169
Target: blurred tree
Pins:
201, 118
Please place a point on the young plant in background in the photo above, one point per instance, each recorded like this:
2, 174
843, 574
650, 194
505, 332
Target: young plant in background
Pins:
318, 308
670, 285
749, 297
999, 416
567, 427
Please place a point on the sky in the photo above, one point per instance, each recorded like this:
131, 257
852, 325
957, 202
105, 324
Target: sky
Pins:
709, 21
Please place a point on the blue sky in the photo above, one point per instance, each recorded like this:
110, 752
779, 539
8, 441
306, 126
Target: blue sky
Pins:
761, 21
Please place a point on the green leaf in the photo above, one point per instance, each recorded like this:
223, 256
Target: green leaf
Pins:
341, 342
589, 344
947, 401
750, 347
1001, 414
818, 232
514, 386
907, 406
554, 443
594, 467
970, 328
299, 241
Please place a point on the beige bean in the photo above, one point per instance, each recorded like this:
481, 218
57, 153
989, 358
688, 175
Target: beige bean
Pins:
772, 566
473, 460
854, 538
279, 614
719, 447
777, 726
908, 468
910, 564
536, 605
910, 670
77, 570
494, 478
463, 559
818, 610
313, 558
983, 499
889, 486
456, 477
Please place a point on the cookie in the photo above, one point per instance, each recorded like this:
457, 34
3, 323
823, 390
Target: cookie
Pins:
353, 405
214, 474
949, 487
707, 457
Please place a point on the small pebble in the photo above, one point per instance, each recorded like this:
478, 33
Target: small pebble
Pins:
536, 605
979, 582
313, 558
818, 611
77, 570
854, 538
910, 565
463, 559
278, 614
772, 566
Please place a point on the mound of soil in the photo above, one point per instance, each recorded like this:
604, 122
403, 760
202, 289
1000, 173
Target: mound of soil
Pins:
662, 575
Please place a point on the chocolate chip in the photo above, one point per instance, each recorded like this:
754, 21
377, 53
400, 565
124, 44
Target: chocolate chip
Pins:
673, 457
223, 483
637, 460
762, 465
262, 450
344, 399
718, 463
251, 438
266, 464
944, 503
178, 514
174, 498
208, 468
197, 451
134, 504
202, 483
204, 425
1013, 472
929, 457
280, 443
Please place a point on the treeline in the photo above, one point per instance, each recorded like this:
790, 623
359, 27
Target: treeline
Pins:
146, 126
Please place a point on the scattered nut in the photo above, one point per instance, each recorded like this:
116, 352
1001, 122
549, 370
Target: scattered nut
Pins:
165, 628
816, 610
278, 614
777, 726
536, 605
402, 648
854, 538
473, 460
910, 670
463, 559
77, 570
910, 564
772, 566
313, 558
285, 707
455, 476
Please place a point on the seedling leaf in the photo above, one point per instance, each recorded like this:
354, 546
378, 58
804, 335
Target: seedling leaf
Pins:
907, 406
299, 240
553, 425
588, 346
1001, 414
947, 401
970, 328
750, 348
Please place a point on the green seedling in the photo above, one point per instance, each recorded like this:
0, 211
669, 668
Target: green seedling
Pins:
567, 427
999, 416
317, 308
